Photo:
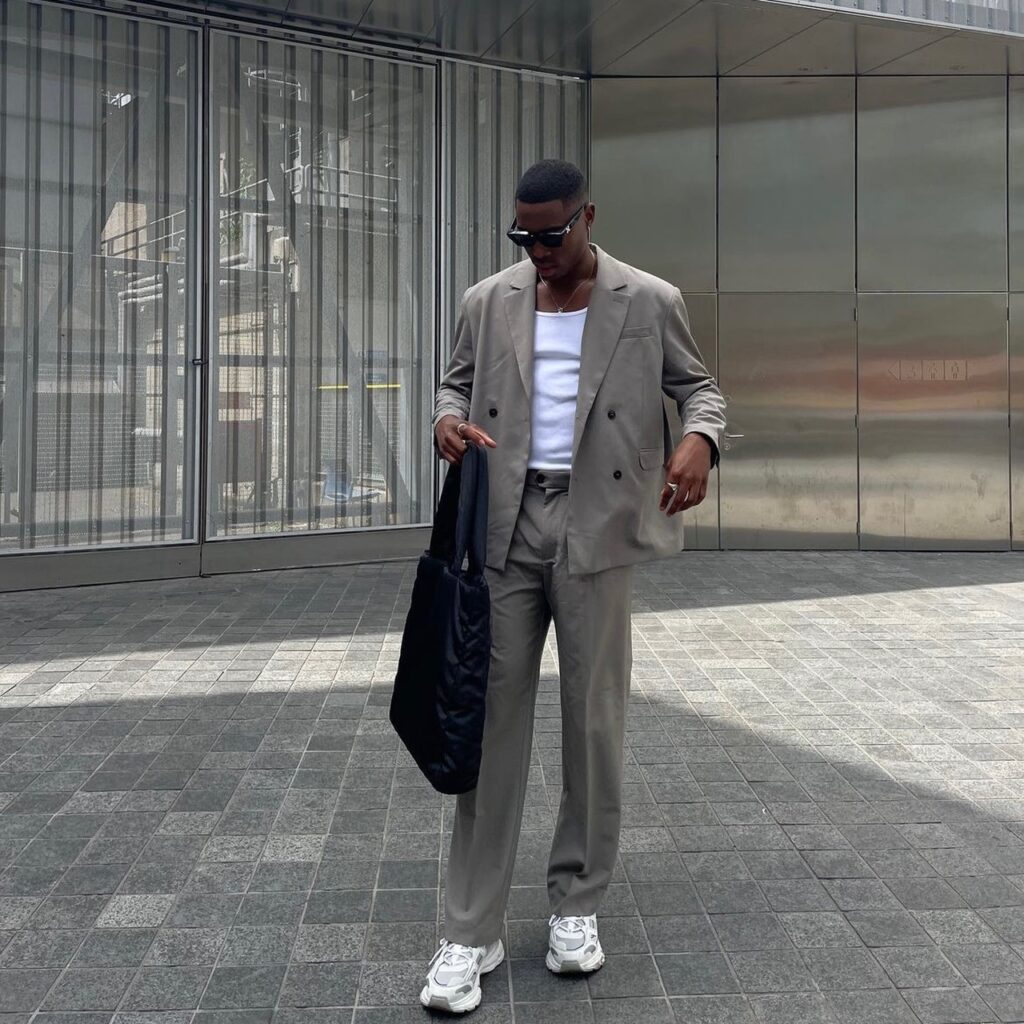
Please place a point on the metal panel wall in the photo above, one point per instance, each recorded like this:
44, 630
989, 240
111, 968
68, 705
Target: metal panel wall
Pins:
1016, 183
1017, 419
787, 365
653, 175
933, 435
932, 184
786, 167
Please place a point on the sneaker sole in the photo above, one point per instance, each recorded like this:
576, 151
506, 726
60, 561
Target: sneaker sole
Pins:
469, 1002
556, 966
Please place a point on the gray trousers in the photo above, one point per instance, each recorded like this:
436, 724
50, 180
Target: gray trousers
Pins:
591, 614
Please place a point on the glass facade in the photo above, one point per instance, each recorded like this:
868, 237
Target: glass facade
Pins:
228, 267
97, 279
323, 310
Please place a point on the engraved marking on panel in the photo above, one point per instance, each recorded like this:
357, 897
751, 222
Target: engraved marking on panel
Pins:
923, 371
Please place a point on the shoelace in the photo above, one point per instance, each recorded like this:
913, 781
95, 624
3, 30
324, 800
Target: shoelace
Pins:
572, 925
455, 956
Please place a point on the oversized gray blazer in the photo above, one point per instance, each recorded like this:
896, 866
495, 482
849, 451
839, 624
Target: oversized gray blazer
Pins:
636, 345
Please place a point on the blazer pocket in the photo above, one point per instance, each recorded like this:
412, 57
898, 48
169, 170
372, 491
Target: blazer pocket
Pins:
650, 458
636, 333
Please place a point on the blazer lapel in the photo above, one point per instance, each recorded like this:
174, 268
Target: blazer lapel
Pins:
606, 314
520, 303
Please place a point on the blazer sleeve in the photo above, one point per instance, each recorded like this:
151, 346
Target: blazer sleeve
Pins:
687, 382
456, 389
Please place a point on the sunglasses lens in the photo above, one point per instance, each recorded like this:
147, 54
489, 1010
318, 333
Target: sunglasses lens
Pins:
526, 240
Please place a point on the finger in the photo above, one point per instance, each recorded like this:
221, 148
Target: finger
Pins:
690, 493
453, 451
482, 436
682, 501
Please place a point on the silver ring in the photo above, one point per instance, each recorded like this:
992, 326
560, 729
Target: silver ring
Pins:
458, 429
673, 487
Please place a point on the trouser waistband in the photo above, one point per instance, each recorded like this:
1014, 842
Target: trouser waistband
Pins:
548, 479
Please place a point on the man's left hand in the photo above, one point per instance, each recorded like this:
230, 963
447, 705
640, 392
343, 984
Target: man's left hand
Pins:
688, 468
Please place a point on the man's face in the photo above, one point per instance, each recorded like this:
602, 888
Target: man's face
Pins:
556, 262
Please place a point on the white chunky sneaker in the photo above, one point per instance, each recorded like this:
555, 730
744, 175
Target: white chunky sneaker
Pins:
453, 978
573, 945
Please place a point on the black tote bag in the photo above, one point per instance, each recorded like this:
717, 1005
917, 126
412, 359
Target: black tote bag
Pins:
437, 707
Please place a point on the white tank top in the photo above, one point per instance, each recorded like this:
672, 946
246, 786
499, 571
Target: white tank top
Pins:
557, 340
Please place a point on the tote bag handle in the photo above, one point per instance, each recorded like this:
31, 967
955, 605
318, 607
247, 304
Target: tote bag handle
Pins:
460, 524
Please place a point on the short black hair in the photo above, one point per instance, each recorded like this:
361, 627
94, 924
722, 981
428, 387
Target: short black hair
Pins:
551, 179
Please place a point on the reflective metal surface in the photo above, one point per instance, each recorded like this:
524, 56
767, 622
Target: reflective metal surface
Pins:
687, 46
786, 181
551, 35
960, 53
618, 29
996, 15
738, 38
661, 133
787, 366
1016, 184
783, 41
932, 184
933, 415
1017, 418
472, 28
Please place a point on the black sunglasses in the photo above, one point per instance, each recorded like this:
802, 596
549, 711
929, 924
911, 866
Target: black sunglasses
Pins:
549, 239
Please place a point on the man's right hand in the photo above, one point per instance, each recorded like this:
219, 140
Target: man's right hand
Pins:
452, 444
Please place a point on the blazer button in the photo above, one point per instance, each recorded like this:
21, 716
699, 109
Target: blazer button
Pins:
617, 474
493, 412
611, 414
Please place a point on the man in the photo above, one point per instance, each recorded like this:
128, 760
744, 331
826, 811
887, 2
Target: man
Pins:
558, 369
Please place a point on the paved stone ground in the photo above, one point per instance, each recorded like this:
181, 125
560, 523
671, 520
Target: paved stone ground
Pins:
205, 816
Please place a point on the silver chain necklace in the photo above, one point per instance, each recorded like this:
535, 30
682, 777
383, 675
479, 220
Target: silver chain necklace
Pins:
568, 301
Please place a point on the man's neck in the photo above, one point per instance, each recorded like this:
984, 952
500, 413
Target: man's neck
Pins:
581, 272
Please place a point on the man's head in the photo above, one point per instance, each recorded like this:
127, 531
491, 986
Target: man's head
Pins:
548, 198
